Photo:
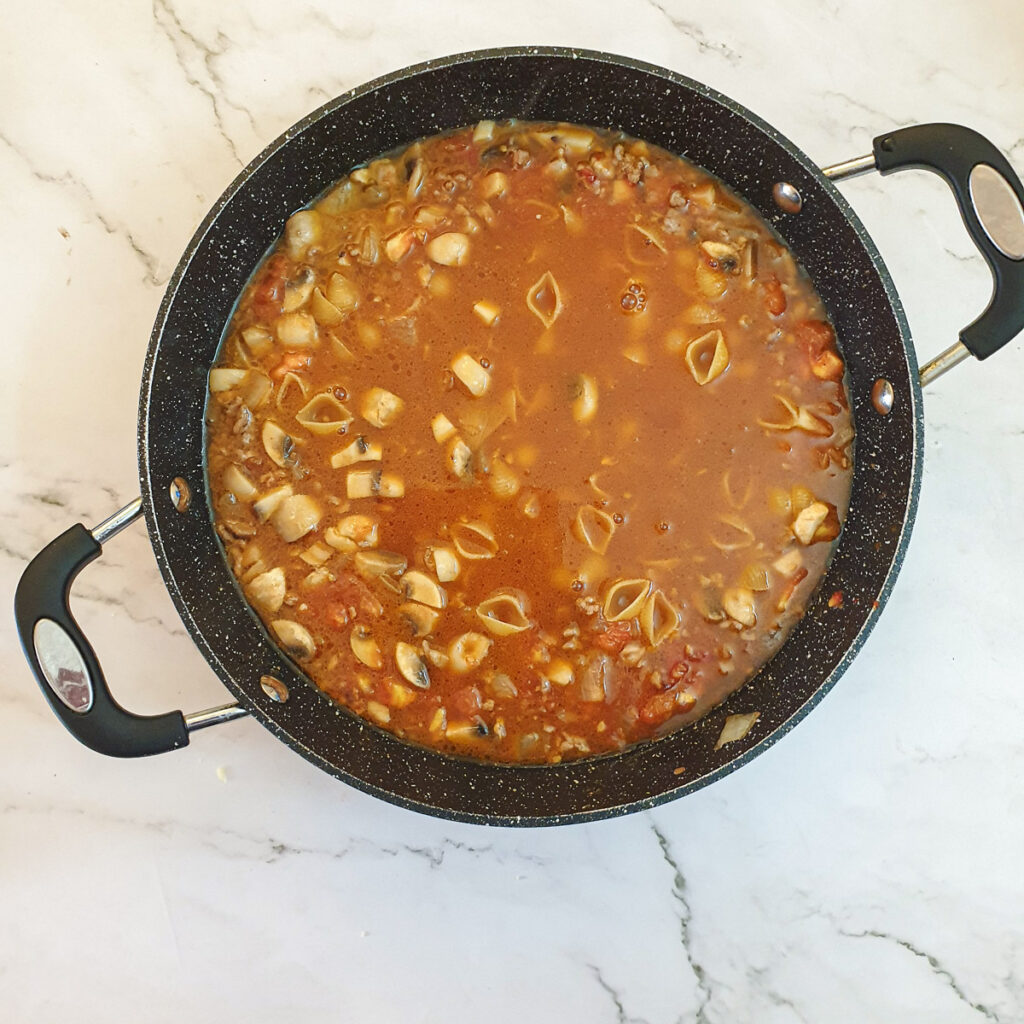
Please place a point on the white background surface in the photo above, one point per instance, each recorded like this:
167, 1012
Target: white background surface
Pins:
868, 868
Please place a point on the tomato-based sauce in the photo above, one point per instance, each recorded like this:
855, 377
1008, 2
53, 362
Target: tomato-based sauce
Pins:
529, 442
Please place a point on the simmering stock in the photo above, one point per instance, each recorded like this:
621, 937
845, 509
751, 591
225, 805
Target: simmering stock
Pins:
529, 442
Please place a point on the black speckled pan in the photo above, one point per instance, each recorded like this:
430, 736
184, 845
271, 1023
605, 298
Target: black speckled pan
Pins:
542, 84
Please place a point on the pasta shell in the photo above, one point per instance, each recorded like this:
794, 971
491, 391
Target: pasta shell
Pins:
707, 357
324, 414
544, 299
659, 618
625, 599
505, 612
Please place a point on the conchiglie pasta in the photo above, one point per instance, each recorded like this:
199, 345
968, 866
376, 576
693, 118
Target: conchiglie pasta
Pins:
707, 357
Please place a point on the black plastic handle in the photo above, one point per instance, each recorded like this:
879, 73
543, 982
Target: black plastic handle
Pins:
65, 664
953, 152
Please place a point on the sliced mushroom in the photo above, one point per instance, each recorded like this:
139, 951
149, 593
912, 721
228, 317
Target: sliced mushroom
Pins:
371, 564
418, 586
418, 618
226, 378
355, 531
294, 639
278, 444
411, 665
302, 231
360, 450
442, 428
596, 680
297, 330
806, 524
239, 484
364, 647
298, 288
459, 457
443, 561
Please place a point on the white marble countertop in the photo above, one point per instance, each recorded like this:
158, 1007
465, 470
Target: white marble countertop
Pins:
868, 868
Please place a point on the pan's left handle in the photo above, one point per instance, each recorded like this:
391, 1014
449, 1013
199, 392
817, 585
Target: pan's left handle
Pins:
990, 196
66, 666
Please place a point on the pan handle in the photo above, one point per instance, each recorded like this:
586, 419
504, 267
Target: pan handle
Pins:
990, 196
65, 665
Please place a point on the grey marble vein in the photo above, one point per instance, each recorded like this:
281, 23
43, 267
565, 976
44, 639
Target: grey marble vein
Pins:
696, 35
621, 1016
680, 895
934, 965
181, 40
70, 182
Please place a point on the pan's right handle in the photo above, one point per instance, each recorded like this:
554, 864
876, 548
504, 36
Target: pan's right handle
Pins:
990, 196
66, 666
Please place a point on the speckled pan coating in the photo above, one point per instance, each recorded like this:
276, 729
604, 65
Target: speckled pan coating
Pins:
536, 83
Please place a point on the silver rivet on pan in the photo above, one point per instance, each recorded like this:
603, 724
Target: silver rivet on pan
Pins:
181, 494
274, 689
882, 396
786, 197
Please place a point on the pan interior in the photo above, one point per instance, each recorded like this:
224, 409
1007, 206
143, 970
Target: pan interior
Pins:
649, 103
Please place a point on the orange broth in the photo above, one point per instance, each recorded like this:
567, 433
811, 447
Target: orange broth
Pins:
529, 442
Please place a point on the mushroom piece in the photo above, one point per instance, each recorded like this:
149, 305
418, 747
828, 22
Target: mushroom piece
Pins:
265, 506
418, 618
411, 665
738, 603
381, 407
297, 330
226, 378
267, 589
239, 484
473, 376
418, 586
298, 288
444, 563
450, 249
294, 639
372, 564
278, 444
295, 516
364, 647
